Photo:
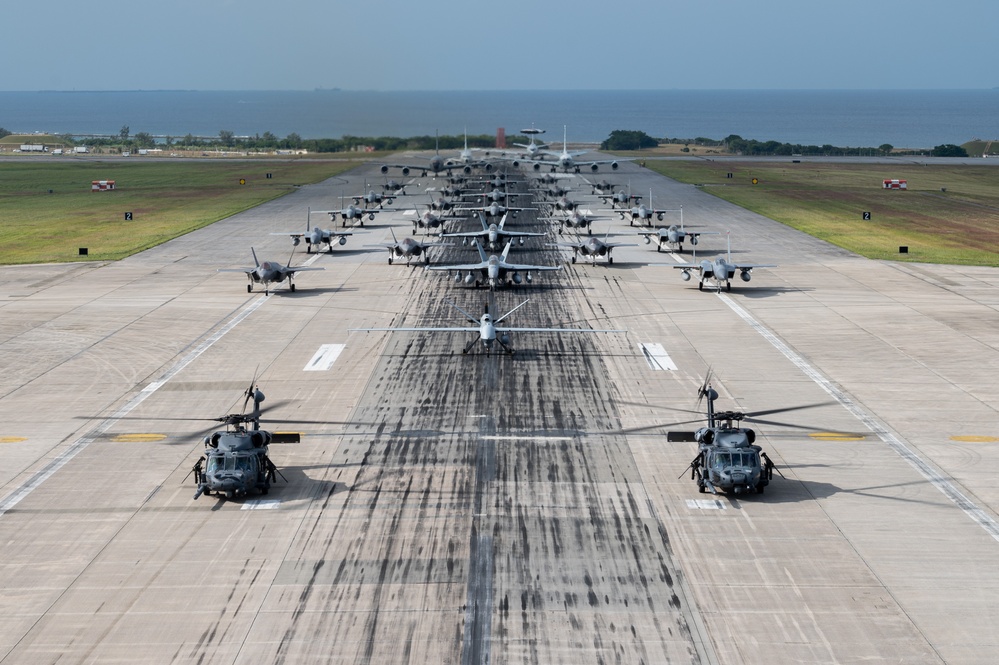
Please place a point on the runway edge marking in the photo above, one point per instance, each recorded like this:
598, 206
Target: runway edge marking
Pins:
894, 442
58, 462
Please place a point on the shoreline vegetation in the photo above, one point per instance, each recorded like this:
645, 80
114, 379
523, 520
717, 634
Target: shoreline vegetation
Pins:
948, 214
619, 140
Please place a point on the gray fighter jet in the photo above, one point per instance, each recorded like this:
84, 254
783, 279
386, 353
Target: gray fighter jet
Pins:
494, 270
492, 235
269, 272
488, 330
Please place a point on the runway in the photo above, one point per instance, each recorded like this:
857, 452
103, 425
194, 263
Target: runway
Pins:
525, 508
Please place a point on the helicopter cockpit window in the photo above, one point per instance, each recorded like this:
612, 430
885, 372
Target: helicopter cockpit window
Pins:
722, 460
215, 463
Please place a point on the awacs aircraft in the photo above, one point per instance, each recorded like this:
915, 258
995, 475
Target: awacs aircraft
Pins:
493, 270
269, 272
593, 247
492, 235
409, 248
532, 150
568, 162
720, 271
488, 330
316, 236
672, 236
643, 213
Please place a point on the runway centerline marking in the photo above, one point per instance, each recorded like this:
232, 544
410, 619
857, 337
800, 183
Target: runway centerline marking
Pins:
59, 461
894, 442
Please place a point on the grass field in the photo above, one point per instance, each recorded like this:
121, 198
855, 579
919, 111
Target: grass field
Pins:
47, 211
949, 214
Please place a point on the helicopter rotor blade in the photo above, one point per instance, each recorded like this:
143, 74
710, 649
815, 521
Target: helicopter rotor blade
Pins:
801, 407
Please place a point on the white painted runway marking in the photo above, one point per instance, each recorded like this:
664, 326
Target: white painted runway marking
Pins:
705, 504
513, 437
324, 358
46, 471
894, 441
261, 504
657, 357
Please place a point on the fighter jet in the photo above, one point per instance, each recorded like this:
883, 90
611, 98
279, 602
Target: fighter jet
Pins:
493, 270
269, 272
427, 220
394, 186
577, 219
593, 247
409, 248
316, 236
492, 235
643, 213
672, 236
494, 209
372, 198
352, 212
488, 330
720, 271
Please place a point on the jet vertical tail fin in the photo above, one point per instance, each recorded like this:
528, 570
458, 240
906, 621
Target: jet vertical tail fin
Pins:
255, 261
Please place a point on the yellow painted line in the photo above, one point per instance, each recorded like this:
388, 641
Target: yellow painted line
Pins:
138, 438
975, 439
12, 439
836, 436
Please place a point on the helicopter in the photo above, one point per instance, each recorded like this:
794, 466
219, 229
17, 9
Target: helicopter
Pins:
728, 458
235, 463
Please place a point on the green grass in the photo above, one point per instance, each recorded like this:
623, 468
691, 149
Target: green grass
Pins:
949, 214
47, 211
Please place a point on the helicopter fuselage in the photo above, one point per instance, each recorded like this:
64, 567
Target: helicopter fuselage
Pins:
729, 461
236, 464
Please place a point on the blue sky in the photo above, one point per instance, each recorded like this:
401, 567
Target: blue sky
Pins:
512, 45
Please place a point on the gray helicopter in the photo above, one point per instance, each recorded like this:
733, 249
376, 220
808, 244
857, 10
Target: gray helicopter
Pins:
235, 463
727, 457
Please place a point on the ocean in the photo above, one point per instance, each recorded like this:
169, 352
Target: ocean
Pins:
845, 118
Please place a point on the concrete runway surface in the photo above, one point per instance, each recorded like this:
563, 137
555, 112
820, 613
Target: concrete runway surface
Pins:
443, 508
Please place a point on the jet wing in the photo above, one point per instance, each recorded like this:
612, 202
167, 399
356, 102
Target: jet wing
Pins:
292, 271
464, 266
417, 329
555, 330
517, 266
302, 234
246, 271
750, 266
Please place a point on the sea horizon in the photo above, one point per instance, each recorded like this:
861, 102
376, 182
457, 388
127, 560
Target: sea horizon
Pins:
905, 118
